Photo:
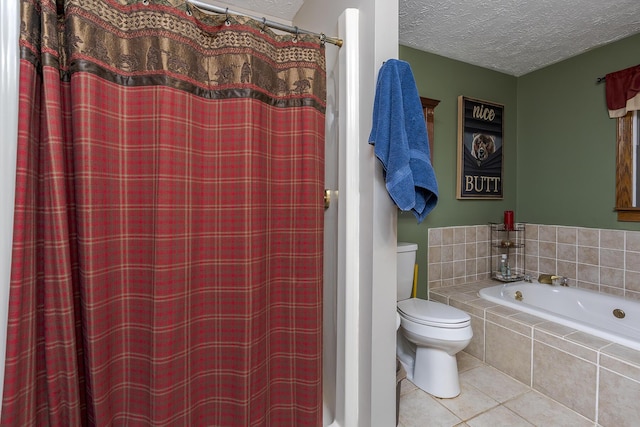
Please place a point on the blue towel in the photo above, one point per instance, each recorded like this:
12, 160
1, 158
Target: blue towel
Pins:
399, 134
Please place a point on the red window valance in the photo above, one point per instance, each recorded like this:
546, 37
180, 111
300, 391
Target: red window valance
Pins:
623, 91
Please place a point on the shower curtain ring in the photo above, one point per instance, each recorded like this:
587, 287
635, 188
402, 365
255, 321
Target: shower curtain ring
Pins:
264, 25
227, 20
323, 39
295, 38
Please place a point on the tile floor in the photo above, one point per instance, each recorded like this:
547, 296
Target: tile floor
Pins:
488, 398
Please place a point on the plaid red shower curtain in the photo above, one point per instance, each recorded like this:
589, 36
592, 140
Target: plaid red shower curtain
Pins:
167, 255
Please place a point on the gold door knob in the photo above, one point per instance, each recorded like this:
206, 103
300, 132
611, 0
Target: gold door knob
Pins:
327, 198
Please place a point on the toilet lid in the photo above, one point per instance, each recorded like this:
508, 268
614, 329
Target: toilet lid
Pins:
433, 313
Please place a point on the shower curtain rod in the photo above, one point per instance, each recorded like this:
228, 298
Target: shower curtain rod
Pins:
211, 8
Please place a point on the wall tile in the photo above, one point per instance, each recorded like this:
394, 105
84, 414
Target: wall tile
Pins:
589, 341
531, 263
566, 252
459, 255
511, 323
531, 247
482, 233
547, 233
516, 362
632, 295
547, 265
566, 344
435, 254
446, 253
567, 235
447, 236
589, 286
460, 280
447, 270
471, 234
568, 270
624, 354
446, 282
435, 271
619, 292
434, 296
531, 232
470, 250
471, 270
484, 268
476, 346
588, 273
434, 284
612, 277
628, 369
482, 249
459, 269
547, 249
612, 258
589, 237
588, 255
633, 241
554, 329
618, 400
632, 281
565, 378
557, 361
435, 237
632, 260
612, 239
466, 305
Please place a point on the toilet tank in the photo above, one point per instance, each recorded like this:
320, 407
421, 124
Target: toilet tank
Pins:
406, 261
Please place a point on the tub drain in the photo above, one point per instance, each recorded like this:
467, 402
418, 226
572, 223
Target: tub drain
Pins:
619, 313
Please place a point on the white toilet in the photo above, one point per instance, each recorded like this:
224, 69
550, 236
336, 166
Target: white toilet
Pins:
430, 334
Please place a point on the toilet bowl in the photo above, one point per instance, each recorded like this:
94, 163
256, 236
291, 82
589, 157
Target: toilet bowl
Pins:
430, 334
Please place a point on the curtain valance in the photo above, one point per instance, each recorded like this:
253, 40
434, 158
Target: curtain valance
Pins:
623, 91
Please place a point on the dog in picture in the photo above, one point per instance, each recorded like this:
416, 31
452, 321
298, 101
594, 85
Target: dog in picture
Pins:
483, 146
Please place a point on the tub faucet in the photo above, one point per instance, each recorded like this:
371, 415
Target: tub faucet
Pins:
550, 279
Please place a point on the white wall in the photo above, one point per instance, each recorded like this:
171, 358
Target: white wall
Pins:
376, 258
9, 28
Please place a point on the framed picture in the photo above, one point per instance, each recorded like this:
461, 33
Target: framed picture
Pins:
480, 145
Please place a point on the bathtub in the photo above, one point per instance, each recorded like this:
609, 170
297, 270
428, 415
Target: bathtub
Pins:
583, 310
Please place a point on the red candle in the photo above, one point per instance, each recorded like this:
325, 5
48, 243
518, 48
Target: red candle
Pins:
508, 220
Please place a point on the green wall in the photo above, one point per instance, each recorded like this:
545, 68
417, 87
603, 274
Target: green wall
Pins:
567, 143
559, 144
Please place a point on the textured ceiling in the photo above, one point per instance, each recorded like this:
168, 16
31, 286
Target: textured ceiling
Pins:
515, 36
510, 36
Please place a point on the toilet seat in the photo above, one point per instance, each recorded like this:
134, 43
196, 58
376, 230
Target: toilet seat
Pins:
430, 313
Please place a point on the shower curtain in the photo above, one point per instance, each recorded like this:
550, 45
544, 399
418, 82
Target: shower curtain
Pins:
167, 254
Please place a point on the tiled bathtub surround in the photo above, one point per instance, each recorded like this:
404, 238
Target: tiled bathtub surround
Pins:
596, 378
597, 259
